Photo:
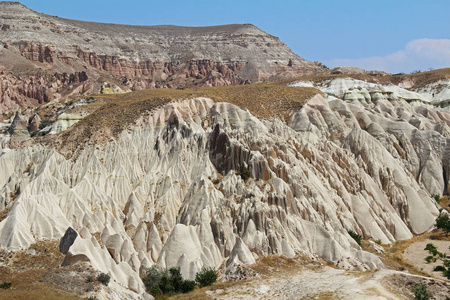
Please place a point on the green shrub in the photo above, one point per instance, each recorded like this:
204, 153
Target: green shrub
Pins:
167, 282
104, 278
175, 278
443, 222
152, 278
420, 292
437, 198
244, 172
165, 285
155, 291
430, 259
355, 236
431, 248
445, 268
187, 286
206, 276
5, 285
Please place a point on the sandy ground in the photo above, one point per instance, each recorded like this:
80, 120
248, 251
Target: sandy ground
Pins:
327, 283
416, 255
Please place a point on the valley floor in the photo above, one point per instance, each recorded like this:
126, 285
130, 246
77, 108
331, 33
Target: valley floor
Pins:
303, 278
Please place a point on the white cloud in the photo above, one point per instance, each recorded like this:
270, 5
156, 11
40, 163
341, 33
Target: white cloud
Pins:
421, 54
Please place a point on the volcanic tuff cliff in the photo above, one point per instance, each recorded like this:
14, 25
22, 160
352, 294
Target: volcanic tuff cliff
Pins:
167, 191
46, 57
154, 176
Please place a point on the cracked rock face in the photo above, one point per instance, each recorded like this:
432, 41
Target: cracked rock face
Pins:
168, 191
45, 57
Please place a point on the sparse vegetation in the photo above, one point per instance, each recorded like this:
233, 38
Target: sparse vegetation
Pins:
435, 255
420, 292
437, 198
103, 278
207, 276
44, 123
5, 285
167, 282
443, 222
244, 172
355, 236
152, 278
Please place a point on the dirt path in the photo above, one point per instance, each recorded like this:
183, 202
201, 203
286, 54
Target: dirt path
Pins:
327, 283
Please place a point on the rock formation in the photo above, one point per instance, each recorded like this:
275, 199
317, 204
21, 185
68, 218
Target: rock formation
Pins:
193, 181
46, 57
168, 190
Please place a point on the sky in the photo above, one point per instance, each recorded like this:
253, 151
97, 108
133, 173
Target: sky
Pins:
389, 35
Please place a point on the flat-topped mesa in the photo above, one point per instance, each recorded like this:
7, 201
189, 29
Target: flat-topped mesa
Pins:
234, 42
138, 57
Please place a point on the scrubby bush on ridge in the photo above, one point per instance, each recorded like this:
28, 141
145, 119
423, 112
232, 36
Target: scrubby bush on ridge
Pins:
443, 222
167, 282
420, 292
206, 276
104, 278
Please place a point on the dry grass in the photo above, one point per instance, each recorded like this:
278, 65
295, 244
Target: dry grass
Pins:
445, 202
266, 267
4, 212
115, 113
264, 100
393, 257
273, 264
27, 272
322, 296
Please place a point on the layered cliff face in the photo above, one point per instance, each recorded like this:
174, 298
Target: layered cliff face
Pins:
168, 190
134, 57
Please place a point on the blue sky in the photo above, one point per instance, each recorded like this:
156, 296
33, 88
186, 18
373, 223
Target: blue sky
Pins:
389, 35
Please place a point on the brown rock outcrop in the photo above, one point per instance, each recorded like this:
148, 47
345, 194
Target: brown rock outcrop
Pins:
133, 57
30, 90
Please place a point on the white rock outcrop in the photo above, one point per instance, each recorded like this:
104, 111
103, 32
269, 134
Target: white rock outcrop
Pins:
168, 192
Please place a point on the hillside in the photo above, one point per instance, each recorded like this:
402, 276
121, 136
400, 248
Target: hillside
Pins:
44, 57
128, 147
155, 177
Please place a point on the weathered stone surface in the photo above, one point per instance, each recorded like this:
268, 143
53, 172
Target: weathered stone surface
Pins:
67, 240
167, 191
76, 57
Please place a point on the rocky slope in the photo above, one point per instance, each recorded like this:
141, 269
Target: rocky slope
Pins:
167, 190
46, 57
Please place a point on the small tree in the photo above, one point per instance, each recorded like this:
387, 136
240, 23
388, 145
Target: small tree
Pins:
443, 222
420, 292
165, 285
207, 276
104, 278
167, 282
152, 278
187, 286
